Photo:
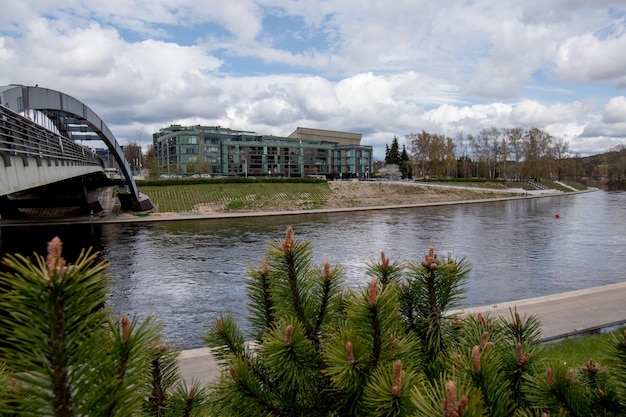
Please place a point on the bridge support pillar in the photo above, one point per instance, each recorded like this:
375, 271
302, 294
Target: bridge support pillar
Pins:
143, 203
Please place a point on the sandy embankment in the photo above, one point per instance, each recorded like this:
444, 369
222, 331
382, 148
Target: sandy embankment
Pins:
349, 195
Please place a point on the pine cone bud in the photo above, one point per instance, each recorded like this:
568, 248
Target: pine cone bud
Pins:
481, 319
373, 291
289, 335
550, 378
233, 374
591, 368
450, 406
483, 339
350, 353
522, 358
264, 268
396, 389
125, 322
289, 241
476, 358
54, 261
384, 260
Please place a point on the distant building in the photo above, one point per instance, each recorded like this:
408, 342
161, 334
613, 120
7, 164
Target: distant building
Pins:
188, 150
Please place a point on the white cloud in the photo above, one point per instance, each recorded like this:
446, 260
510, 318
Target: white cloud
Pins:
533, 113
369, 67
587, 58
615, 110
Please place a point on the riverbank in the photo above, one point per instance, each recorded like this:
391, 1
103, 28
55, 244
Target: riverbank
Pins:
338, 196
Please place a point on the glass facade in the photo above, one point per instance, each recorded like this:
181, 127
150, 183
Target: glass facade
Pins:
224, 152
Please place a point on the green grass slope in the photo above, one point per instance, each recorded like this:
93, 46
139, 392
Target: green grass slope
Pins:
237, 196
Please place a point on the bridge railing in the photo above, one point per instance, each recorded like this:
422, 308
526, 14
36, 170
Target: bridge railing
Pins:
21, 137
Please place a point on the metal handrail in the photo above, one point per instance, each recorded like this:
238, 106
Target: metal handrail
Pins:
19, 136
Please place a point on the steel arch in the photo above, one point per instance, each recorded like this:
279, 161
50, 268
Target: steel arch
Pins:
67, 113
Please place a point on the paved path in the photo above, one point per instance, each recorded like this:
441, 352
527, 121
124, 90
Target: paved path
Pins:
561, 315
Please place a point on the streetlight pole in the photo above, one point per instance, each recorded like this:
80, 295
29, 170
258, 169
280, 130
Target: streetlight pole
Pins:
139, 151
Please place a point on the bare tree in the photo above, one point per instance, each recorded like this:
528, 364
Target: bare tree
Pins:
462, 153
420, 148
561, 152
434, 153
134, 156
516, 147
537, 153
483, 152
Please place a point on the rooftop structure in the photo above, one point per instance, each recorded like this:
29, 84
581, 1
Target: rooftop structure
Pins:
341, 138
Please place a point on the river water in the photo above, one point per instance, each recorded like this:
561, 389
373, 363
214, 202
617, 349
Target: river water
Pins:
186, 273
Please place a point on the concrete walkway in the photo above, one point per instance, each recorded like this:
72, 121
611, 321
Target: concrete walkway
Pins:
561, 315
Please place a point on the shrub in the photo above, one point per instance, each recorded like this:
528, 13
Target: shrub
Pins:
66, 354
390, 348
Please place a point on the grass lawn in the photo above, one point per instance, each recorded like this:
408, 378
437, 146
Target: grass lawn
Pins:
237, 196
577, 351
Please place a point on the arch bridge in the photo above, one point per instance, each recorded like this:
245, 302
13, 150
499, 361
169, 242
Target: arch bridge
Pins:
44, 165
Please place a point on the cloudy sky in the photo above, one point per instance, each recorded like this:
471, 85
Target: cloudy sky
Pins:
376, 67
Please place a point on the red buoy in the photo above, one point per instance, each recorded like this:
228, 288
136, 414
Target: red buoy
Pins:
557, 216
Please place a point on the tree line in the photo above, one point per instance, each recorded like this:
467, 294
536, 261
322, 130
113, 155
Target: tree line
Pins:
499, 153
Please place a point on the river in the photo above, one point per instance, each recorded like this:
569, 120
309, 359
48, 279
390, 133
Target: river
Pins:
185, 273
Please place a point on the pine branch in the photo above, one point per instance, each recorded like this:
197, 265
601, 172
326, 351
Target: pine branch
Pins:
558, 392
188, 401
327, 298
225, 338
259, 292
388, 392
54, 311
293, 282
164, 376
385, 271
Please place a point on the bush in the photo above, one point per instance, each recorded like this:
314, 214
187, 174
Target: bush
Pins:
390, 348
65, 354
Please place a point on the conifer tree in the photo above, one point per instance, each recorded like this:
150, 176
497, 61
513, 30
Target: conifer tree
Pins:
433, 287
320, 351
365, 362
295, 308
65, 352
392, 154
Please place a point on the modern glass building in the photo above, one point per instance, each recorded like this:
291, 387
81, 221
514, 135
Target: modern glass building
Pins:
188, 150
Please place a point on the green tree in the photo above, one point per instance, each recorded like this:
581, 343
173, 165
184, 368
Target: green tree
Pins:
392, 154
433, 287
66, 353
322, 351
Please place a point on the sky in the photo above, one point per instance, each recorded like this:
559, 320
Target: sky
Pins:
382, 68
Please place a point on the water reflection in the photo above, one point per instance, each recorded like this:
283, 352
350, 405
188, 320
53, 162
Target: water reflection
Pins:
187, 273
